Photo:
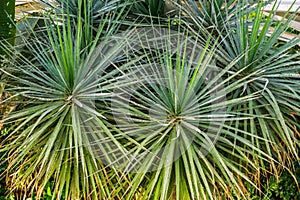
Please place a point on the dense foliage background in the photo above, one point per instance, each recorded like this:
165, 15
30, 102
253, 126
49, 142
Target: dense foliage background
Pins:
150, 100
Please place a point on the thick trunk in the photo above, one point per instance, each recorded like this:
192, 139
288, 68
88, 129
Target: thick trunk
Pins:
7, 25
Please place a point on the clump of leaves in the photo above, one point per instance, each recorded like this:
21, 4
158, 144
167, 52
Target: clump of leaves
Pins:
58, 122
179, 119
273, 69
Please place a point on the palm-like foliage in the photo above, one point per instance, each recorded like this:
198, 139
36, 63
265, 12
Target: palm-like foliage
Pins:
59, 125
152, 114
178, 119
88, 11
152, 11
269, 67
91, 15
154, 8
215, 15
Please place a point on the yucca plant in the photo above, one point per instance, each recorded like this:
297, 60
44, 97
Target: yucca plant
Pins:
154, 8
153, 113
266, 65
91, 14
214, 15
269, 67
61, 134
93, 11
179, 120
152, 11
